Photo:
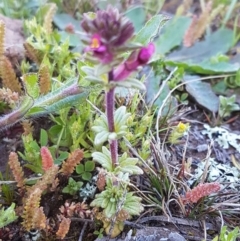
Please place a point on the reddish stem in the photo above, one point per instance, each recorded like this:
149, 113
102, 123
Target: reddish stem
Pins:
110, 118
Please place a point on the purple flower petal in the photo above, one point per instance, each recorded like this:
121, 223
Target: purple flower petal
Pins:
135, 60
146, 53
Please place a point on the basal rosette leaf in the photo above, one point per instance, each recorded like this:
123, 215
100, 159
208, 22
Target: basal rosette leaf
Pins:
100, 201
110, 210
132, 204
109, 199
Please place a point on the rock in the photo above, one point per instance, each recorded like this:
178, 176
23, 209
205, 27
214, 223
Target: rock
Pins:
14, 39
149, 234
175, 237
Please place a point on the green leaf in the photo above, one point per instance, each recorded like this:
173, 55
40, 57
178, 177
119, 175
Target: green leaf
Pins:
80, 169
121, 115
66, 101
54, 132
152, 87
131, 83
206, 67
217, 43
67, 95
34, 146
137, 15
43, 137
86, 176
89, 166
215, 239
220, 87
34, 111
72, 38
202, 93
61, 20
172, 34
133, 204
34, 168
42, 11
151, 29
101, 138
7, 216
63, 156
72, 186
66, 189
31, 84
198, 58
104, 158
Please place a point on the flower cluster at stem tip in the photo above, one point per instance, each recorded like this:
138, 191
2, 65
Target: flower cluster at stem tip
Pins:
108, 35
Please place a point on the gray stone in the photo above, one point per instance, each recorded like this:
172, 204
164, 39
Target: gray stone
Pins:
175, 237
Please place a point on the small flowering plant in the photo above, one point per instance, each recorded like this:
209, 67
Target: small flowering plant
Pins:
108, 36
200, 191
109, 45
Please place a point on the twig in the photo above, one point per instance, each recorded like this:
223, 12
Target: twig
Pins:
204, 229
82, 220
185, 222
222, 221
94, 107
162, 86
13, 182
82, 231
134, 225
184, 156
205, 171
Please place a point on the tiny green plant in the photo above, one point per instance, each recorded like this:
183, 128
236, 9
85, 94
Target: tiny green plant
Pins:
177, 132
99, 232
227, 105
233, 81
20, 10
59, 133
32, 151
84, 170
226, 235
73, 186
7, 215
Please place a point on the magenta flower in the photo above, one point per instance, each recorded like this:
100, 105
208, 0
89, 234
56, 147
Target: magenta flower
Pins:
99, 50
136, 59
107, 33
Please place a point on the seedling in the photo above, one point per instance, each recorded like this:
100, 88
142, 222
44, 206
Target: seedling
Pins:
7, 216
227, 106
84, 170
73, 186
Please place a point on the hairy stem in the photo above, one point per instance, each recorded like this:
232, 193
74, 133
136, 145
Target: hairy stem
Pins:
110, 118
16, 115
